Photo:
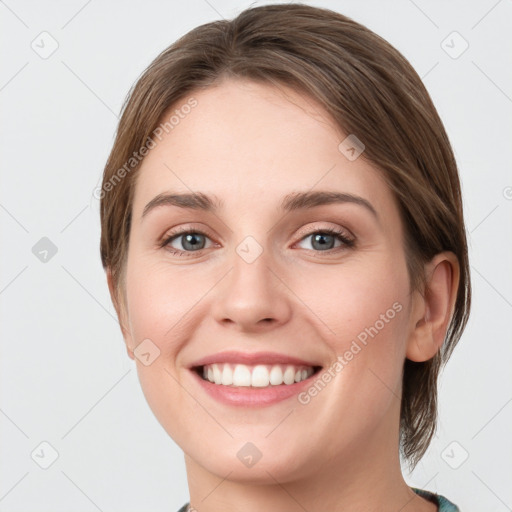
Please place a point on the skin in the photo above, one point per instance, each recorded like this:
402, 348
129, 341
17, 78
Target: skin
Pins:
251, 144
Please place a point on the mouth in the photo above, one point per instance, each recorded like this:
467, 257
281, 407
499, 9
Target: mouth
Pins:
247, 386
245, 379
237, 375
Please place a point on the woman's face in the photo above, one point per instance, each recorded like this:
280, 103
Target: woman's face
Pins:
259, 278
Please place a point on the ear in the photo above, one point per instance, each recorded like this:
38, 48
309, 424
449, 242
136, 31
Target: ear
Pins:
432, 312
121, 313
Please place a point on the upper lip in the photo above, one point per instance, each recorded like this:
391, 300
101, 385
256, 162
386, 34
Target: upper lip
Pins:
251, 358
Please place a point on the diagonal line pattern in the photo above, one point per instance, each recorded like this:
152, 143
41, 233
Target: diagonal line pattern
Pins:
90, 294
425, 75
314, 185
493, 287
14, 486
14, 423
492, 211
198, 301
74, 218
332, 332
287, 492
71, 71
76, 14
414, 497
508, 508
199, 403
485, 15
424, 14
13, 13
13, 217
218, 218
392, 391
217, 486
13, 279
207, 2
286, 417
81, 491
503, 407
14, 76
96, 404
491, 80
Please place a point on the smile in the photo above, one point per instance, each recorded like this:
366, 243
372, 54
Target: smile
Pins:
253, 379
256, 376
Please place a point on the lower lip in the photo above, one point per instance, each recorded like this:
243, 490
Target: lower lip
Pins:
252, 397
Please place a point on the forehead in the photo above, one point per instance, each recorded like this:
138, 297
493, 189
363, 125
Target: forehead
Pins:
245, 140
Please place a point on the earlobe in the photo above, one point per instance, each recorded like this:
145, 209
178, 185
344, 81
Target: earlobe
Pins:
129, 351
432, 312
120, 313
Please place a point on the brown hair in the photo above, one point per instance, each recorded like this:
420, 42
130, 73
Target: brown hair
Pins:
370, 90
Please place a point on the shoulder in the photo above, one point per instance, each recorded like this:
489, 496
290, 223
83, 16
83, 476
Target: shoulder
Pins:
444, 505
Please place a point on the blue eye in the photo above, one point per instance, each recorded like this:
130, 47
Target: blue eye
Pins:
325, 237
193, 241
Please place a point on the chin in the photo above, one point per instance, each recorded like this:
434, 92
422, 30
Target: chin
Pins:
246, 463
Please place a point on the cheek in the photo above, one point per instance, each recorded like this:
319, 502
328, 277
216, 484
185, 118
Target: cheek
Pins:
158, 302
363, 308
159, 308
351, 297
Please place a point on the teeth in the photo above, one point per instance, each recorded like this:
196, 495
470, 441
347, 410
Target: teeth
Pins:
289, 375
217, 375
227, 376
258, 376
241, 375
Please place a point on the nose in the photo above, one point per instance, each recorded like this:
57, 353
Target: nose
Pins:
252, 297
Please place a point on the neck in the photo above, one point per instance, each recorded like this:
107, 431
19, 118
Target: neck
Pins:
366, 476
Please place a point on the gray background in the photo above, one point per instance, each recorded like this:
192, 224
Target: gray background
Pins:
66, 378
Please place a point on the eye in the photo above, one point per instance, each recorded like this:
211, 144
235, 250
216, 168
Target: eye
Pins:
188, 240
323, 240
193, 240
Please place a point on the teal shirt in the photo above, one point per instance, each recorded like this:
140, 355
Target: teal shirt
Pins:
442, 503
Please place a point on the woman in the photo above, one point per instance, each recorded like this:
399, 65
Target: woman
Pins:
284, 242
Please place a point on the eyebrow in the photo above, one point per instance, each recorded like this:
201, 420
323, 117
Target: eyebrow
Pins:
291, 202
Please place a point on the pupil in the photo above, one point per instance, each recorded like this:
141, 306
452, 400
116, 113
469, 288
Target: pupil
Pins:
191, 239
320, 238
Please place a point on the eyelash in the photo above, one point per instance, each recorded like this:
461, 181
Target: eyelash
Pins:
340, 235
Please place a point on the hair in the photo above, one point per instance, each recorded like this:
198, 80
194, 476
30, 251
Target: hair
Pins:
370, 90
